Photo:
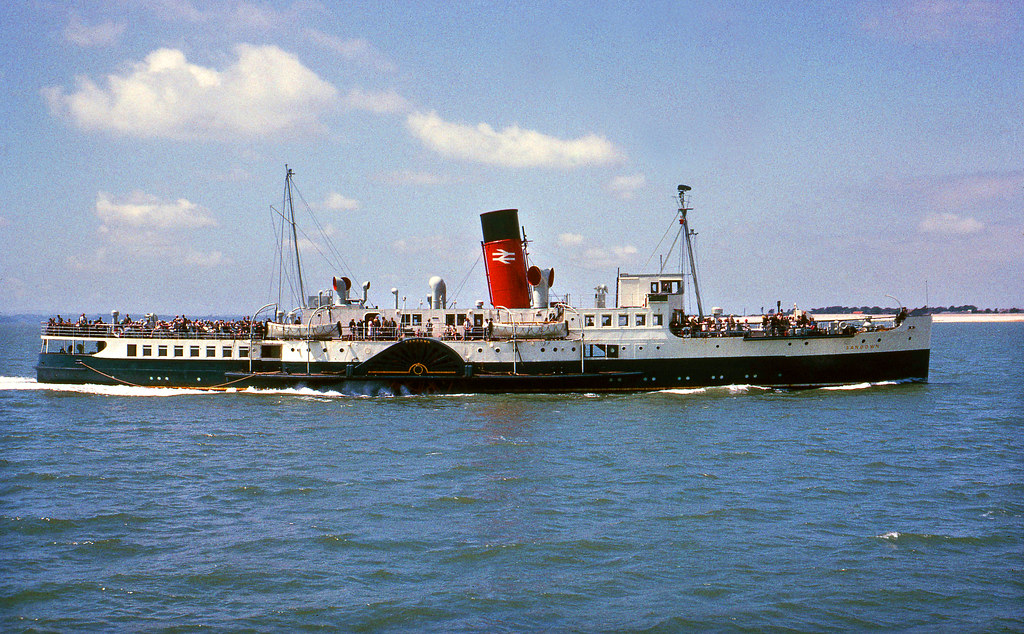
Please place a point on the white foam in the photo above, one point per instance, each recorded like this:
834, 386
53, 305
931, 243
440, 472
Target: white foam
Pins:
24, 383
889, 535
860, 386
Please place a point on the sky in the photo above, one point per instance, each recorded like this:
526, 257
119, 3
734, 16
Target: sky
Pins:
838, 153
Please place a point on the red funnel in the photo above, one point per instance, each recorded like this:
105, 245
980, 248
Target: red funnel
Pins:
505, 259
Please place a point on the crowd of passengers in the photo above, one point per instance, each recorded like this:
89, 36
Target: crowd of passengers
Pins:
772, 325
389, 329
180, 326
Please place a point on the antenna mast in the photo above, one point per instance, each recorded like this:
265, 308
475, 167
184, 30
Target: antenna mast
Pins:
295, 238
689, 245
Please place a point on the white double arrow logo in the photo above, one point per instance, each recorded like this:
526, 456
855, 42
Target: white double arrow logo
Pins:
503, 256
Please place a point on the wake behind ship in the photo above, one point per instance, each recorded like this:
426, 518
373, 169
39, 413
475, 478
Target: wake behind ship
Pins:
523, 342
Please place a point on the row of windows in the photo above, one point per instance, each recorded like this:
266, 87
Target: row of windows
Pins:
179, 351
623, 319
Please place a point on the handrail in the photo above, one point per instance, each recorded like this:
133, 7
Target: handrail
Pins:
132, 331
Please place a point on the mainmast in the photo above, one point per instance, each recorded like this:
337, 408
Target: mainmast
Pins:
295, 238
689, 246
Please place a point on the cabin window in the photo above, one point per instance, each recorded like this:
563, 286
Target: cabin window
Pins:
271, 352
478, 320
161, 351
623, 320
226, 351
417, 319
179, 351
641, 320
462, 320
654, 287
606, 320
405, 319
449, 319
211, 351
588, 320
193, 351
133, 350
147, 351
243, 352
657, 319
600, 351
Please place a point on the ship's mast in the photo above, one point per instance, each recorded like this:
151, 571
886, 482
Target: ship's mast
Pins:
689, 246
295, 238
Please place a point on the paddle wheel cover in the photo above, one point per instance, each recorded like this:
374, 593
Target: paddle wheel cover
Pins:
416, 357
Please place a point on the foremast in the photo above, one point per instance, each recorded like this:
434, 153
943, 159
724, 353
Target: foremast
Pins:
689, 246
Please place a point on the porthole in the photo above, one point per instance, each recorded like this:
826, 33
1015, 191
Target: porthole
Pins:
497, 350
542, 349
479, 349
554, 350
863, 340
717, 346
879, 340
805, 343
790, 343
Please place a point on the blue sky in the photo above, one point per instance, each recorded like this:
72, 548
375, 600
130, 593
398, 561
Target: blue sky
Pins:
838, 152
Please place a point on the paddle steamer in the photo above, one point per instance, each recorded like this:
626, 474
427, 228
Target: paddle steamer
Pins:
522, 342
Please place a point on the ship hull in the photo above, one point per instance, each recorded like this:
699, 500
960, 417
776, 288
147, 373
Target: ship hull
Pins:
598, 375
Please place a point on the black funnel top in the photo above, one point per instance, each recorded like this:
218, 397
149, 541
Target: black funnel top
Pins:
500, 225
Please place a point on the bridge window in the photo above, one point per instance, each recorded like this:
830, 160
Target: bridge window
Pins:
161, 351
193, 351
588, 320
211, 351
641, 320
606, 320
657, 319
147, 351
623, 320
133, 350
179, 351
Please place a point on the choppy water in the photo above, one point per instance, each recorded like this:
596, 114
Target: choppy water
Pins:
887, 506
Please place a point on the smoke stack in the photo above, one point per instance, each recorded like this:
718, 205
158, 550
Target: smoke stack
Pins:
505, 259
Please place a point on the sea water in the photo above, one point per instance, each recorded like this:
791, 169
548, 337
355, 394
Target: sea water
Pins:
894, 506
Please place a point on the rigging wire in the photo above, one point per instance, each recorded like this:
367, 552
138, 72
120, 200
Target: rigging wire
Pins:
323, 234
455, 295
657, 246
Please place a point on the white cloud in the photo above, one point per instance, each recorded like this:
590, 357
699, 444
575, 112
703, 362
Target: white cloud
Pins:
607, 257
941, 20
86, 36
511, 147
356, 50
376, 101
414, 177
337, 202
570, 239
624, 187
205, 259
266, 91
143, 226
435, 245
950, 224
143, 210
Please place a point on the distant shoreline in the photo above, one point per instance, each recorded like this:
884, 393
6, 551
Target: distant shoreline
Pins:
977, 318
938, 318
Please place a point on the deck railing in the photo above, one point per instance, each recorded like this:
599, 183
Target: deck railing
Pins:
140, 331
